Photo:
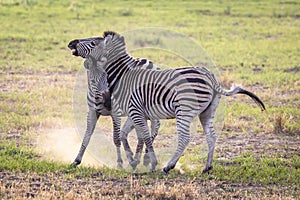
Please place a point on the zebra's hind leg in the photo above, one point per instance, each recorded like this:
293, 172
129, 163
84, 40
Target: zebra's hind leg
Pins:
92, 118
138, 153
128, 126
133, 161
206, 119
143, 132
155, 124
183, 128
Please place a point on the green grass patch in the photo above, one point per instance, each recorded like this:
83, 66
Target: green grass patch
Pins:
248, 168
266, 170
21, 159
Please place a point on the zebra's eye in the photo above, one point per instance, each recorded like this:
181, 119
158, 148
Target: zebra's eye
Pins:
93, 43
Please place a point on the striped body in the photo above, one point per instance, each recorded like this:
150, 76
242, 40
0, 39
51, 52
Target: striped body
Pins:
162, 94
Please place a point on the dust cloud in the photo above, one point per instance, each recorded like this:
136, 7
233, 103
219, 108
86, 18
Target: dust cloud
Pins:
63, 145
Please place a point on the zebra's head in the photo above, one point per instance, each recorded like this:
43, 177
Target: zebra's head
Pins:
98, 84
83, 47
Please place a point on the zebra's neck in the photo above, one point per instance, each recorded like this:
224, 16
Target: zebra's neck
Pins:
118, 67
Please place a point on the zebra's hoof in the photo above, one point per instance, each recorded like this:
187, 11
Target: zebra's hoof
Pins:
133, 164
165, 171
206, 169
152, 170
75, 163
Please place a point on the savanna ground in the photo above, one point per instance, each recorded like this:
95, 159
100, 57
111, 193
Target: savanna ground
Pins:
255, 43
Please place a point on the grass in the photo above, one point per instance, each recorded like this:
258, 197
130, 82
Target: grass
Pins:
255, 43
247, 169
267, 170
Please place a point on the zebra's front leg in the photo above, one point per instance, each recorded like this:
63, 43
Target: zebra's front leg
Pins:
92, 118
128, 126
155, 124
116, 137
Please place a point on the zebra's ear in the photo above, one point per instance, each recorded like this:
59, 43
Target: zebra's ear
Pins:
107, 40
122, 38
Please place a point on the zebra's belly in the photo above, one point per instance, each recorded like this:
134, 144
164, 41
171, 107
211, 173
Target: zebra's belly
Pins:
122, 109
159, 112
162, 110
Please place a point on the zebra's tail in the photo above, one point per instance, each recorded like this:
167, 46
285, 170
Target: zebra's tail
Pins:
238, 90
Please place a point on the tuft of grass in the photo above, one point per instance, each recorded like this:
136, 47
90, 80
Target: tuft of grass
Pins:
126, 12
283, 124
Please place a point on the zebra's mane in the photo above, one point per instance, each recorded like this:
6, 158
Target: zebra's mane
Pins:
112, 33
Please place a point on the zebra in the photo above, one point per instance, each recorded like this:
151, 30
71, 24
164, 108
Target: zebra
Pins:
181, 93
97, 90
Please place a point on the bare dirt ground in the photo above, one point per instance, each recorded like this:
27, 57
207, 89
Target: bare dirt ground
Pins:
232, 145
53, 186
22, 185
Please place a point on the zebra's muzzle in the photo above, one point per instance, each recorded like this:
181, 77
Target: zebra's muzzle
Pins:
73, 47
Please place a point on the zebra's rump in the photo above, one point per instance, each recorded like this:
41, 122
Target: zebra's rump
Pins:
161, 93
